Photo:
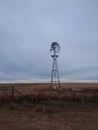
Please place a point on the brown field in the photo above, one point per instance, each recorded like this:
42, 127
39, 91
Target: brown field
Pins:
37, 107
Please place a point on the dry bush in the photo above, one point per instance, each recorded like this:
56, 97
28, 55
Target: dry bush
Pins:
12, 106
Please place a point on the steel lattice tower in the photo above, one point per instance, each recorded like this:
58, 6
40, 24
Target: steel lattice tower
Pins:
55, 81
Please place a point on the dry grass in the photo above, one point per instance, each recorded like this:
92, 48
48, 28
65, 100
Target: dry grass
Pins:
85, 92
41, 108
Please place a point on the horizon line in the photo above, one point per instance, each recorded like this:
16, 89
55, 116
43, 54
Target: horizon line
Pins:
47, 81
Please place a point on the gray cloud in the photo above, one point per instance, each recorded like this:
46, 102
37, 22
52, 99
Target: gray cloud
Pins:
27, 29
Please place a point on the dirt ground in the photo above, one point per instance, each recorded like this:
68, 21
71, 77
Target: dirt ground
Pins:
49, 113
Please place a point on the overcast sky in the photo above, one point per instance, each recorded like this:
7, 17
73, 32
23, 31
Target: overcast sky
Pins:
27, 29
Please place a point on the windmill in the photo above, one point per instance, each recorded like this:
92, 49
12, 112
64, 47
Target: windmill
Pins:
55, 81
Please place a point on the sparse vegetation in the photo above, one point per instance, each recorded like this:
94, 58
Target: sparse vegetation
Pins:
38, 107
